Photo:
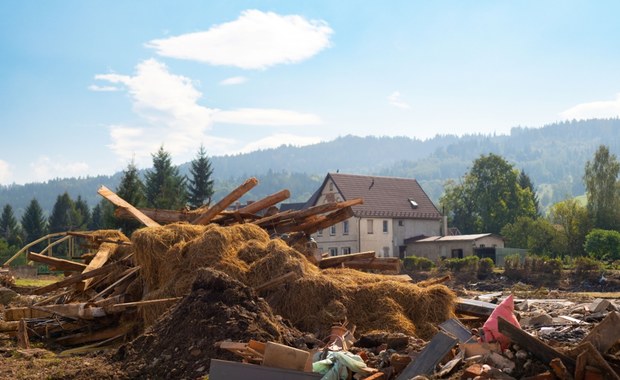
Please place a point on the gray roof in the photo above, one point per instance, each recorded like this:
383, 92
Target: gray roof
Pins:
472, 237
389, 197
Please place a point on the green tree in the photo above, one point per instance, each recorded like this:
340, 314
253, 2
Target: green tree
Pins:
526, 183
489, 197
603, 244
130, 189
165, 187
96, 218
200, 187
600, 179
64, 215
82, 213
34, 222
572, 217
538, 236
9, 229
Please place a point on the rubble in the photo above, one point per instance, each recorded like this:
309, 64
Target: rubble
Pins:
194, 292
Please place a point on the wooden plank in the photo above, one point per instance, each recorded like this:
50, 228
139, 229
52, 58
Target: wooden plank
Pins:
333, 218
305, 213
590, 356
431, 355
226, 370
23, 341
538, 348
275, 282
261, 204
87, 337
9, 326
123, 277
119, 307
333, 261
60, 264
220, 206
75, 279
120, 202
475, 308
454, 327
159, 215
101, 257
386, 264
606, 333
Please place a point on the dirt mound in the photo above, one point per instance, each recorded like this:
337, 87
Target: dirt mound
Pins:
181, 343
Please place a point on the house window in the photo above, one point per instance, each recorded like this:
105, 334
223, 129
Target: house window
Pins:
369, 227
331, 186
319, 232
345, 227
346, 250
401, 223
386, 251
385, 226
332, 230
333, 251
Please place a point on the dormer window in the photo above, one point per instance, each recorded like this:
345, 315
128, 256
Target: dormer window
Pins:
413, 203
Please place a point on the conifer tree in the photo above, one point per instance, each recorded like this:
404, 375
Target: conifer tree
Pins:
63, 214
200, 184
34, 222
82, 213
165, 187
9, 229
600, 178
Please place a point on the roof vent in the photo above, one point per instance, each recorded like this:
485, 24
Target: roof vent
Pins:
413, 203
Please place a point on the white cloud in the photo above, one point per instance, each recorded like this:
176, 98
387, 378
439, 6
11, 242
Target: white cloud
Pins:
46, 168
277, 140
395, 100
599, 109
94, 87
5, 172
233, 80
256, 40
167, 105
262, 116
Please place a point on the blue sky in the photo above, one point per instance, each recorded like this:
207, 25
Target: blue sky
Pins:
85, 86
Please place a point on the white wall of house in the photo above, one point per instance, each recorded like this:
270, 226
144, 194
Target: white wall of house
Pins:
406, 228
376, 234
435, 250
336, 240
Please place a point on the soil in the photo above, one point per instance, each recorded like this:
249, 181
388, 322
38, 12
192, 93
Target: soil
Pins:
182, 343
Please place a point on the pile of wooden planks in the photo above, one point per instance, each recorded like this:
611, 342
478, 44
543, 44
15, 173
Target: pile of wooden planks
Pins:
97, 301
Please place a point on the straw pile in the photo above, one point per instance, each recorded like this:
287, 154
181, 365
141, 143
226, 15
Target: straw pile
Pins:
171, 255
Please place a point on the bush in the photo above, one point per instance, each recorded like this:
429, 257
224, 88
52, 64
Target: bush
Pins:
417, 263
603, 244
466, 264
587, 269
485, 268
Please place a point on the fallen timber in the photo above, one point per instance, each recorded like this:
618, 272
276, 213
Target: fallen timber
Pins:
86, 305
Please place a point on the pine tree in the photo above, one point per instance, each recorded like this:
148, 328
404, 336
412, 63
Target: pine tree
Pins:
63, 214
9, 229
526, 183
96, 218
200, 184
165, 187
130, 189
34, 222
82, 211
600, 178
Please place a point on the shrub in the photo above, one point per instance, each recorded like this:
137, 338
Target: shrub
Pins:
417, 263
485, 268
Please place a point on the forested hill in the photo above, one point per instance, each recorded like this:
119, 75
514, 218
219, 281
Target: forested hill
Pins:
553, 156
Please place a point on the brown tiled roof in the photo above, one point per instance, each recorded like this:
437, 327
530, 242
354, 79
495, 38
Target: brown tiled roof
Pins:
383, 196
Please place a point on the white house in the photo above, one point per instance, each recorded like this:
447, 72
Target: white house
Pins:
394, 209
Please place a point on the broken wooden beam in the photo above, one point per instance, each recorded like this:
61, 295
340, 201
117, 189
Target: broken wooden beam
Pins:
120, 202
384, 264
159, 215
333, 261
259, 205
101, 257
74, 279
301, 215
475, 308
538, 348
220, 206
87, 337
60, 264
429, 357
606, 333
119, 307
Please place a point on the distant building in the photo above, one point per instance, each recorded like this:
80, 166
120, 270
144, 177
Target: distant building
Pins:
394, 209
458, 246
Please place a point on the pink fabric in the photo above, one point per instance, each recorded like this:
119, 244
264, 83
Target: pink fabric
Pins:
505, 310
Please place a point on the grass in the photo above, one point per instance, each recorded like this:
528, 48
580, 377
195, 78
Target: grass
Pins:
35, 282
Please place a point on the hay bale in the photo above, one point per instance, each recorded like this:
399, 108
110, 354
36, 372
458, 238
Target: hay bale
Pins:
278, 259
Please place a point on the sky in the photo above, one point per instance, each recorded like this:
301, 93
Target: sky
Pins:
88, 86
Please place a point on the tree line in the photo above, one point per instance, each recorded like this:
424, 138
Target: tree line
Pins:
163, 187
495, 197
